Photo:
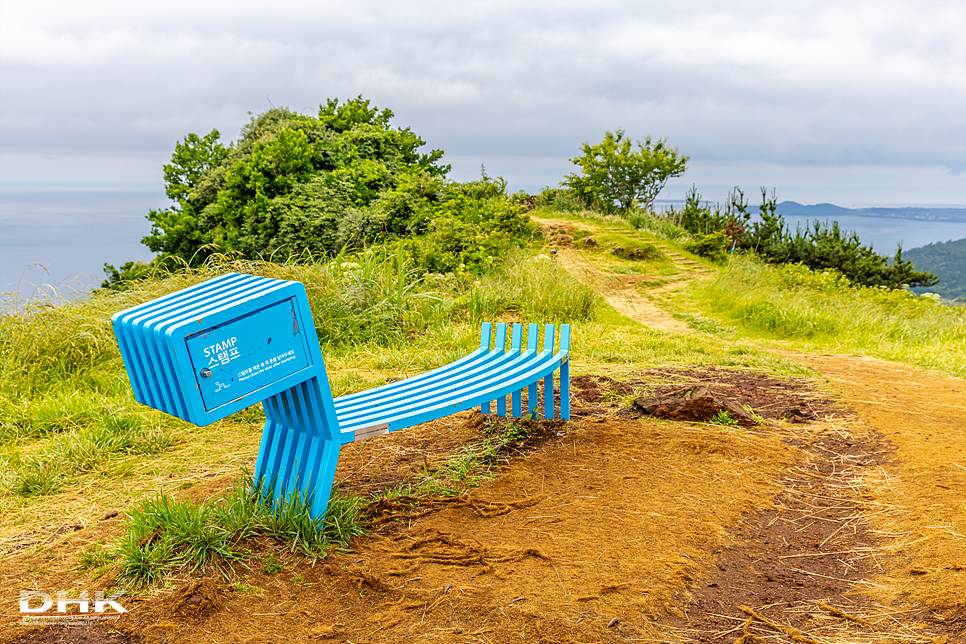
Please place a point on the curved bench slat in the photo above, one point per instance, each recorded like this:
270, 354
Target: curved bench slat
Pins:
478, 385
428, 376
444, 407
444, 379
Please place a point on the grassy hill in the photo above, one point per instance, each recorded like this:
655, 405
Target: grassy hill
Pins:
948, 261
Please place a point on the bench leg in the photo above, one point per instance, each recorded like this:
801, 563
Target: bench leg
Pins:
298, 453
565, 390
548, 396
322, 490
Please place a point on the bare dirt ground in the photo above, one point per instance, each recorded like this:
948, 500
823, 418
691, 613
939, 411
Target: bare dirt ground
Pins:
839, 518
620, 529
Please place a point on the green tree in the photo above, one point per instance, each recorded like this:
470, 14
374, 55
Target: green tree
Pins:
287, 184
175, 230
614, 175
300, 185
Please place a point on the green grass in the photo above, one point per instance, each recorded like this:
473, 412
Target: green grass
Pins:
724, 418
164, 535
95, 556
62, 459
651, 224
473, 463
823, 312
533, 289
658, 226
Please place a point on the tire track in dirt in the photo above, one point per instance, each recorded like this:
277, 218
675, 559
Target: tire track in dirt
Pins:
794, 569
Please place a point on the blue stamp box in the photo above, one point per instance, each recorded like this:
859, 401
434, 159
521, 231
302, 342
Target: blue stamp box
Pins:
212, 349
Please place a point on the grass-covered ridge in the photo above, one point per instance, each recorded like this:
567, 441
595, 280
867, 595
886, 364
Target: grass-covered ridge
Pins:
824, 311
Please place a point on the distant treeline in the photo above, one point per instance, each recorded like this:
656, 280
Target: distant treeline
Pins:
721, 229
948, 261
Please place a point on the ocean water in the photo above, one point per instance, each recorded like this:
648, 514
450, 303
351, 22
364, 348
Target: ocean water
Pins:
885, 233
63, 237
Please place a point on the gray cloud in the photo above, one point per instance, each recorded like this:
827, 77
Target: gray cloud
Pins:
798, 84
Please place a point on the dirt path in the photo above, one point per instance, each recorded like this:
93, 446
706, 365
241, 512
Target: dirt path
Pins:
621, 291
838, 521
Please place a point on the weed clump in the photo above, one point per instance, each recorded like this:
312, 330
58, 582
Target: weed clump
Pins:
164, 535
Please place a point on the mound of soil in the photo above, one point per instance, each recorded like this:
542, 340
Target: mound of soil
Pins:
772, 398
192, 603
692, 404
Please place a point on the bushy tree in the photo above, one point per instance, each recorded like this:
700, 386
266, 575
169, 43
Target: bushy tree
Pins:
615, 174
287, 184
294, 184
176, 230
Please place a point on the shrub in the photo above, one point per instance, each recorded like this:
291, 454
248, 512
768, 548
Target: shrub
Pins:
714, 246
614, 176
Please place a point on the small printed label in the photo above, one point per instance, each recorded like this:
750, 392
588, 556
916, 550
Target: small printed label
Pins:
266, 365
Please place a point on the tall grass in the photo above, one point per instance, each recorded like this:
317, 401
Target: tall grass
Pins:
64, 391
353, 299
536, 289
367, 297
658, 225
823, 310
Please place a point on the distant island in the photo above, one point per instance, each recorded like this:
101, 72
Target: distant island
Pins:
793, 209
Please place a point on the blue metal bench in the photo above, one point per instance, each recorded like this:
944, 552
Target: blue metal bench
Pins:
208, 351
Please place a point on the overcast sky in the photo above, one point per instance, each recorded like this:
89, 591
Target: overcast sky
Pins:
857, 103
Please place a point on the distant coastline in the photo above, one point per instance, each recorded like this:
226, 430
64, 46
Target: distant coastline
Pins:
831, 211
823, 211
